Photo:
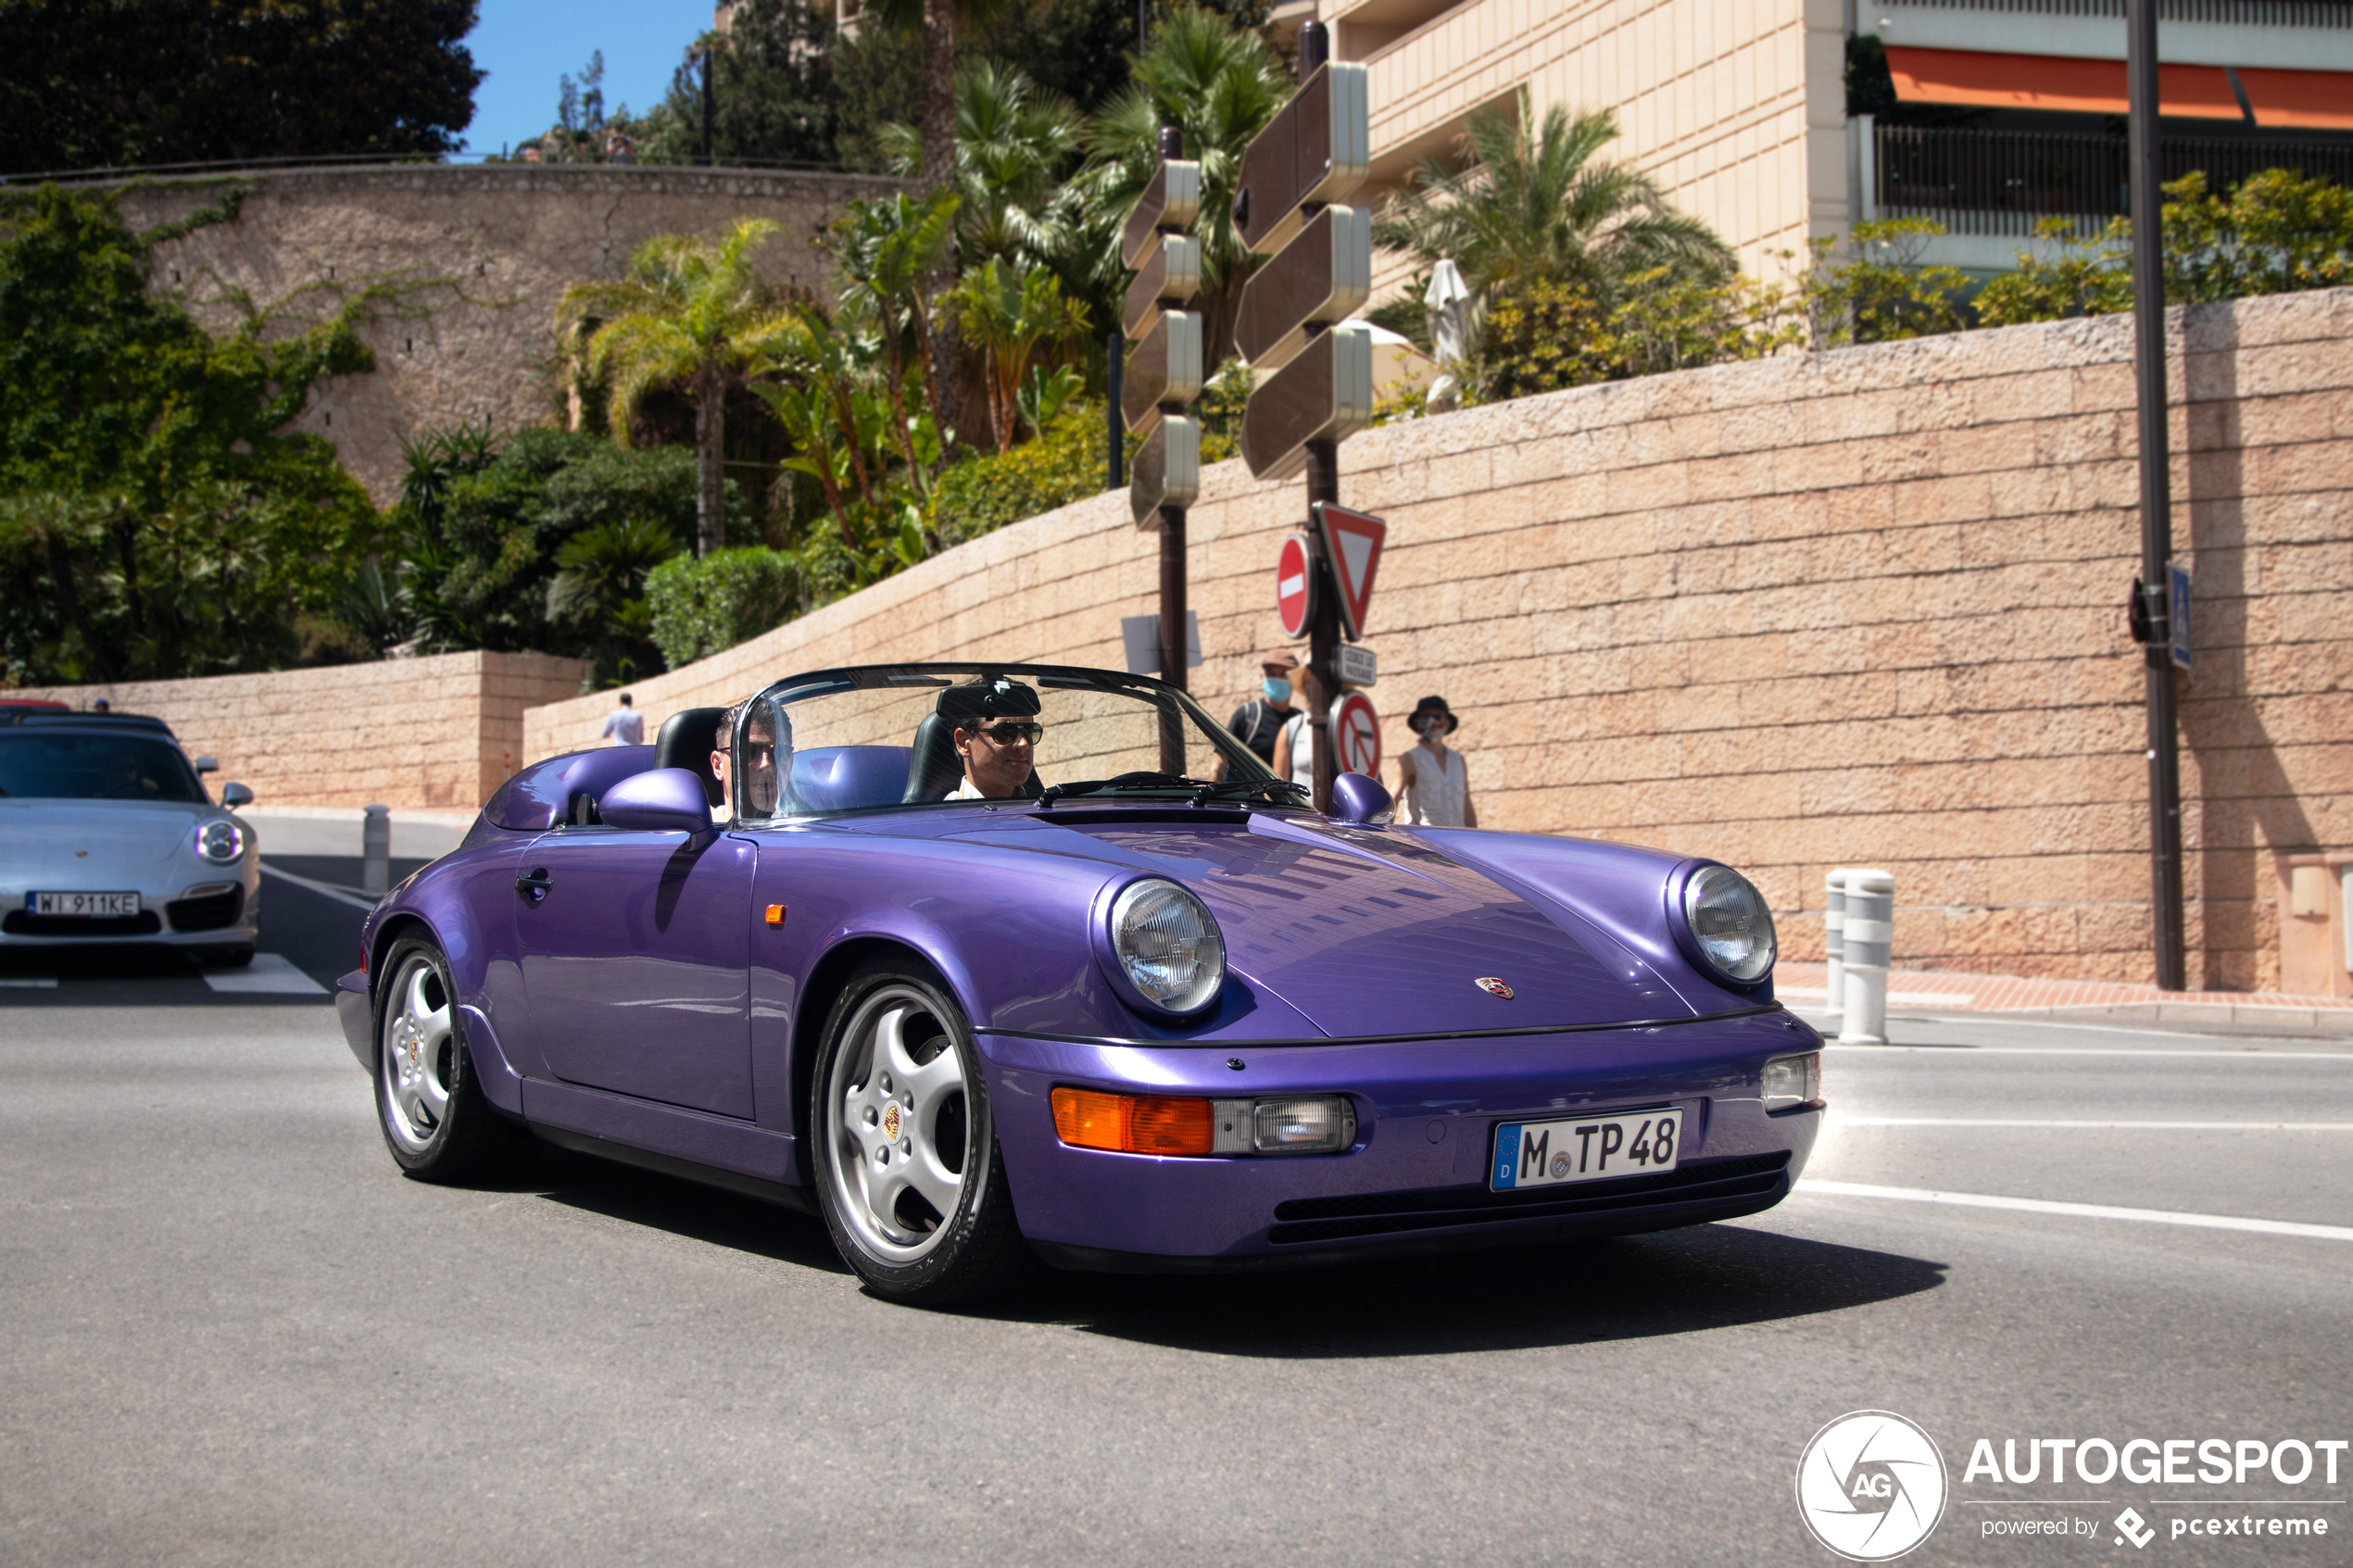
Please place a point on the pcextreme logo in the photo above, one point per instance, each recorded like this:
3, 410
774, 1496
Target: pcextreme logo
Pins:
1870, 1486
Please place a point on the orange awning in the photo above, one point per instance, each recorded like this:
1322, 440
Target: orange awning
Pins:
2320, 99
2048, 82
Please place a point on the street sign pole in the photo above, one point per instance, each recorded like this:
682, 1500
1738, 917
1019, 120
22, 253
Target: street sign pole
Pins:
1323, 625
2156, 531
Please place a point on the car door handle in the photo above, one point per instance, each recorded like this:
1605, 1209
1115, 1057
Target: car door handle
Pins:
536, 885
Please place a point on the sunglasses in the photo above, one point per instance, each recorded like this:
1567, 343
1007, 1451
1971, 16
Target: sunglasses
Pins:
1014, 735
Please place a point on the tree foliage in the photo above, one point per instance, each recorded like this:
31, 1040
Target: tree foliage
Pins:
92, 83
699, 607
153, 520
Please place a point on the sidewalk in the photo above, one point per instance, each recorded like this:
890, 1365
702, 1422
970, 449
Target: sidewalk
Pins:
1944, 991
336, 830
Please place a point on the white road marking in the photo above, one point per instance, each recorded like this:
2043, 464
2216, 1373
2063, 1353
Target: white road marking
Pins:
1895, 998
267, 974
350, 895
1961, 1053
2153, 1126
2079, 1211
42, 982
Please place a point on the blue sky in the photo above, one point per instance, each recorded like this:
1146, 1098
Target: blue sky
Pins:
527, 44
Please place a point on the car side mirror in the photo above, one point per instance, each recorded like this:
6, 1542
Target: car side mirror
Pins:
235, 794
661, 800
1359, 797
207, 765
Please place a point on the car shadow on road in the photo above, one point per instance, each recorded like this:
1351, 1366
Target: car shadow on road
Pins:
686, 1209
1583, 1292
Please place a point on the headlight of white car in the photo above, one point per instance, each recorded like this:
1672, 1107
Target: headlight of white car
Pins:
1168, 946
1730, 923
220, 842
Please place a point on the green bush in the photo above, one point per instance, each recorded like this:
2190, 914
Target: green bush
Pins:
981, 495
701, 607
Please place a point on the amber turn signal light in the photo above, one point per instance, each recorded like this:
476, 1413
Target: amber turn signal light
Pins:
775, 914
1133, 1124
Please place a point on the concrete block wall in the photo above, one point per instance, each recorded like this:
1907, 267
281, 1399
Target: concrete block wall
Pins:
414, 733
1863, 606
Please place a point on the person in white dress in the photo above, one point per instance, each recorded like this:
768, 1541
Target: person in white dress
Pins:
1432, 785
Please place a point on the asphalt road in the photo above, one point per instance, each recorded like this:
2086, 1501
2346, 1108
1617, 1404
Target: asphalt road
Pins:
229, 1333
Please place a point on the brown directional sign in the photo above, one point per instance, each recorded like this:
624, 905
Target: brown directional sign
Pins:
1324, 275
1164, 367
1170, 275
1169, 202
1316, 149
1167, 471
1325, 393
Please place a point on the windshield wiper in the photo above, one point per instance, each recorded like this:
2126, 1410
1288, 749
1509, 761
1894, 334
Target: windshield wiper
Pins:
1232, 787
1124, 780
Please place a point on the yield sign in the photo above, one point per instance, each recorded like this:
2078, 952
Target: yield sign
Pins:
1295, 585
1356, 735
1352, 543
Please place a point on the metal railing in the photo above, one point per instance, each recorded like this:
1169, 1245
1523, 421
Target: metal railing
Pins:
2005, 181
2236, 13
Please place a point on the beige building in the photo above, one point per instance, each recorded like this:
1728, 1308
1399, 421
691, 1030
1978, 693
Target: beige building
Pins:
1740, 106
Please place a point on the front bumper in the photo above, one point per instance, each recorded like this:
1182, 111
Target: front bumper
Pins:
168, 916
1417, 1177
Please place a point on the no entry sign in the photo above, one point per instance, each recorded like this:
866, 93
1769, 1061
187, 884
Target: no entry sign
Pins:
1294, 585
1356, 735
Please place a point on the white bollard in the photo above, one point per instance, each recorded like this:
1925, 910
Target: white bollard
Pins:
1870, 932
1834, 936
375, 849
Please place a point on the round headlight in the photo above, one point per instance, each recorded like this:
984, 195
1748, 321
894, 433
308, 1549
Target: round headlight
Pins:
1730, 921
1168, 946
220, 842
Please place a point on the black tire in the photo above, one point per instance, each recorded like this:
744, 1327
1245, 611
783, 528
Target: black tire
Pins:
915, 1252
429, 1103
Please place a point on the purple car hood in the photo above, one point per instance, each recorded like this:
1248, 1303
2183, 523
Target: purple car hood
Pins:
1372, 933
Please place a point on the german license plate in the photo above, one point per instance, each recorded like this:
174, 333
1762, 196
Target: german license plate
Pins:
94, 906
1590, 1148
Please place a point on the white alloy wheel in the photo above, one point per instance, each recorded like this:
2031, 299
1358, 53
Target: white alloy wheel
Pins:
899, 1126
420, 1047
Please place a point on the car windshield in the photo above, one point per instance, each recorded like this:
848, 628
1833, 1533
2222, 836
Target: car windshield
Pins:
894, 736
54, 765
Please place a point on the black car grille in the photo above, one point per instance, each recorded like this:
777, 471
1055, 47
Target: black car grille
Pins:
209, 913
19, 924
1757, 1177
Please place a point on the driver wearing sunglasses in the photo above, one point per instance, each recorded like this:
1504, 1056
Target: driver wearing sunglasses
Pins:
997, 735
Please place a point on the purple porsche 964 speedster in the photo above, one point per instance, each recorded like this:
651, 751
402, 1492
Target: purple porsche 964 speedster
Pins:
983, 960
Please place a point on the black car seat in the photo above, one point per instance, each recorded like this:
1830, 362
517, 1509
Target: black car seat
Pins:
687, 739
936, 769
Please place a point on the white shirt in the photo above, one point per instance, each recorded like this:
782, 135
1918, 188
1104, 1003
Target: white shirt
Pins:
1439, 791
626, 726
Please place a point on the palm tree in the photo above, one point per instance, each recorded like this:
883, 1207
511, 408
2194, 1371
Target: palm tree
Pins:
887, 251
1546, 209
689, 311
1218, 86
1007, 315
1014, 141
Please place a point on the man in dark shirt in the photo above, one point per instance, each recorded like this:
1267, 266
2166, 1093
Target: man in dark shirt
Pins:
1256, 723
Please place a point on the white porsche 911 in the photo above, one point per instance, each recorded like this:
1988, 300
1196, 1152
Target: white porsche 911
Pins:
108, 837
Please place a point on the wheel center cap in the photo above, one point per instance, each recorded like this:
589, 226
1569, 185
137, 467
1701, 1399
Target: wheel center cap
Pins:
404, 1040
891, 1122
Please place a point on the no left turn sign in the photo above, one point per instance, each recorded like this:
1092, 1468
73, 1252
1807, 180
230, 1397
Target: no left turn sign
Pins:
1356, 735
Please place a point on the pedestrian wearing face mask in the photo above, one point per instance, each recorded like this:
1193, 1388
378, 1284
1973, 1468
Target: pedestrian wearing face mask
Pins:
1259, 722
1432, 785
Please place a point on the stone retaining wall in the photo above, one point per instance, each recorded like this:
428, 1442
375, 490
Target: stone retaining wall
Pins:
512, 236
1863, 606
441, 732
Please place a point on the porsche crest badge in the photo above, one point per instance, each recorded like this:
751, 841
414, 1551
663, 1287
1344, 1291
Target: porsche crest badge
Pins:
890, 1122
1494, 987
